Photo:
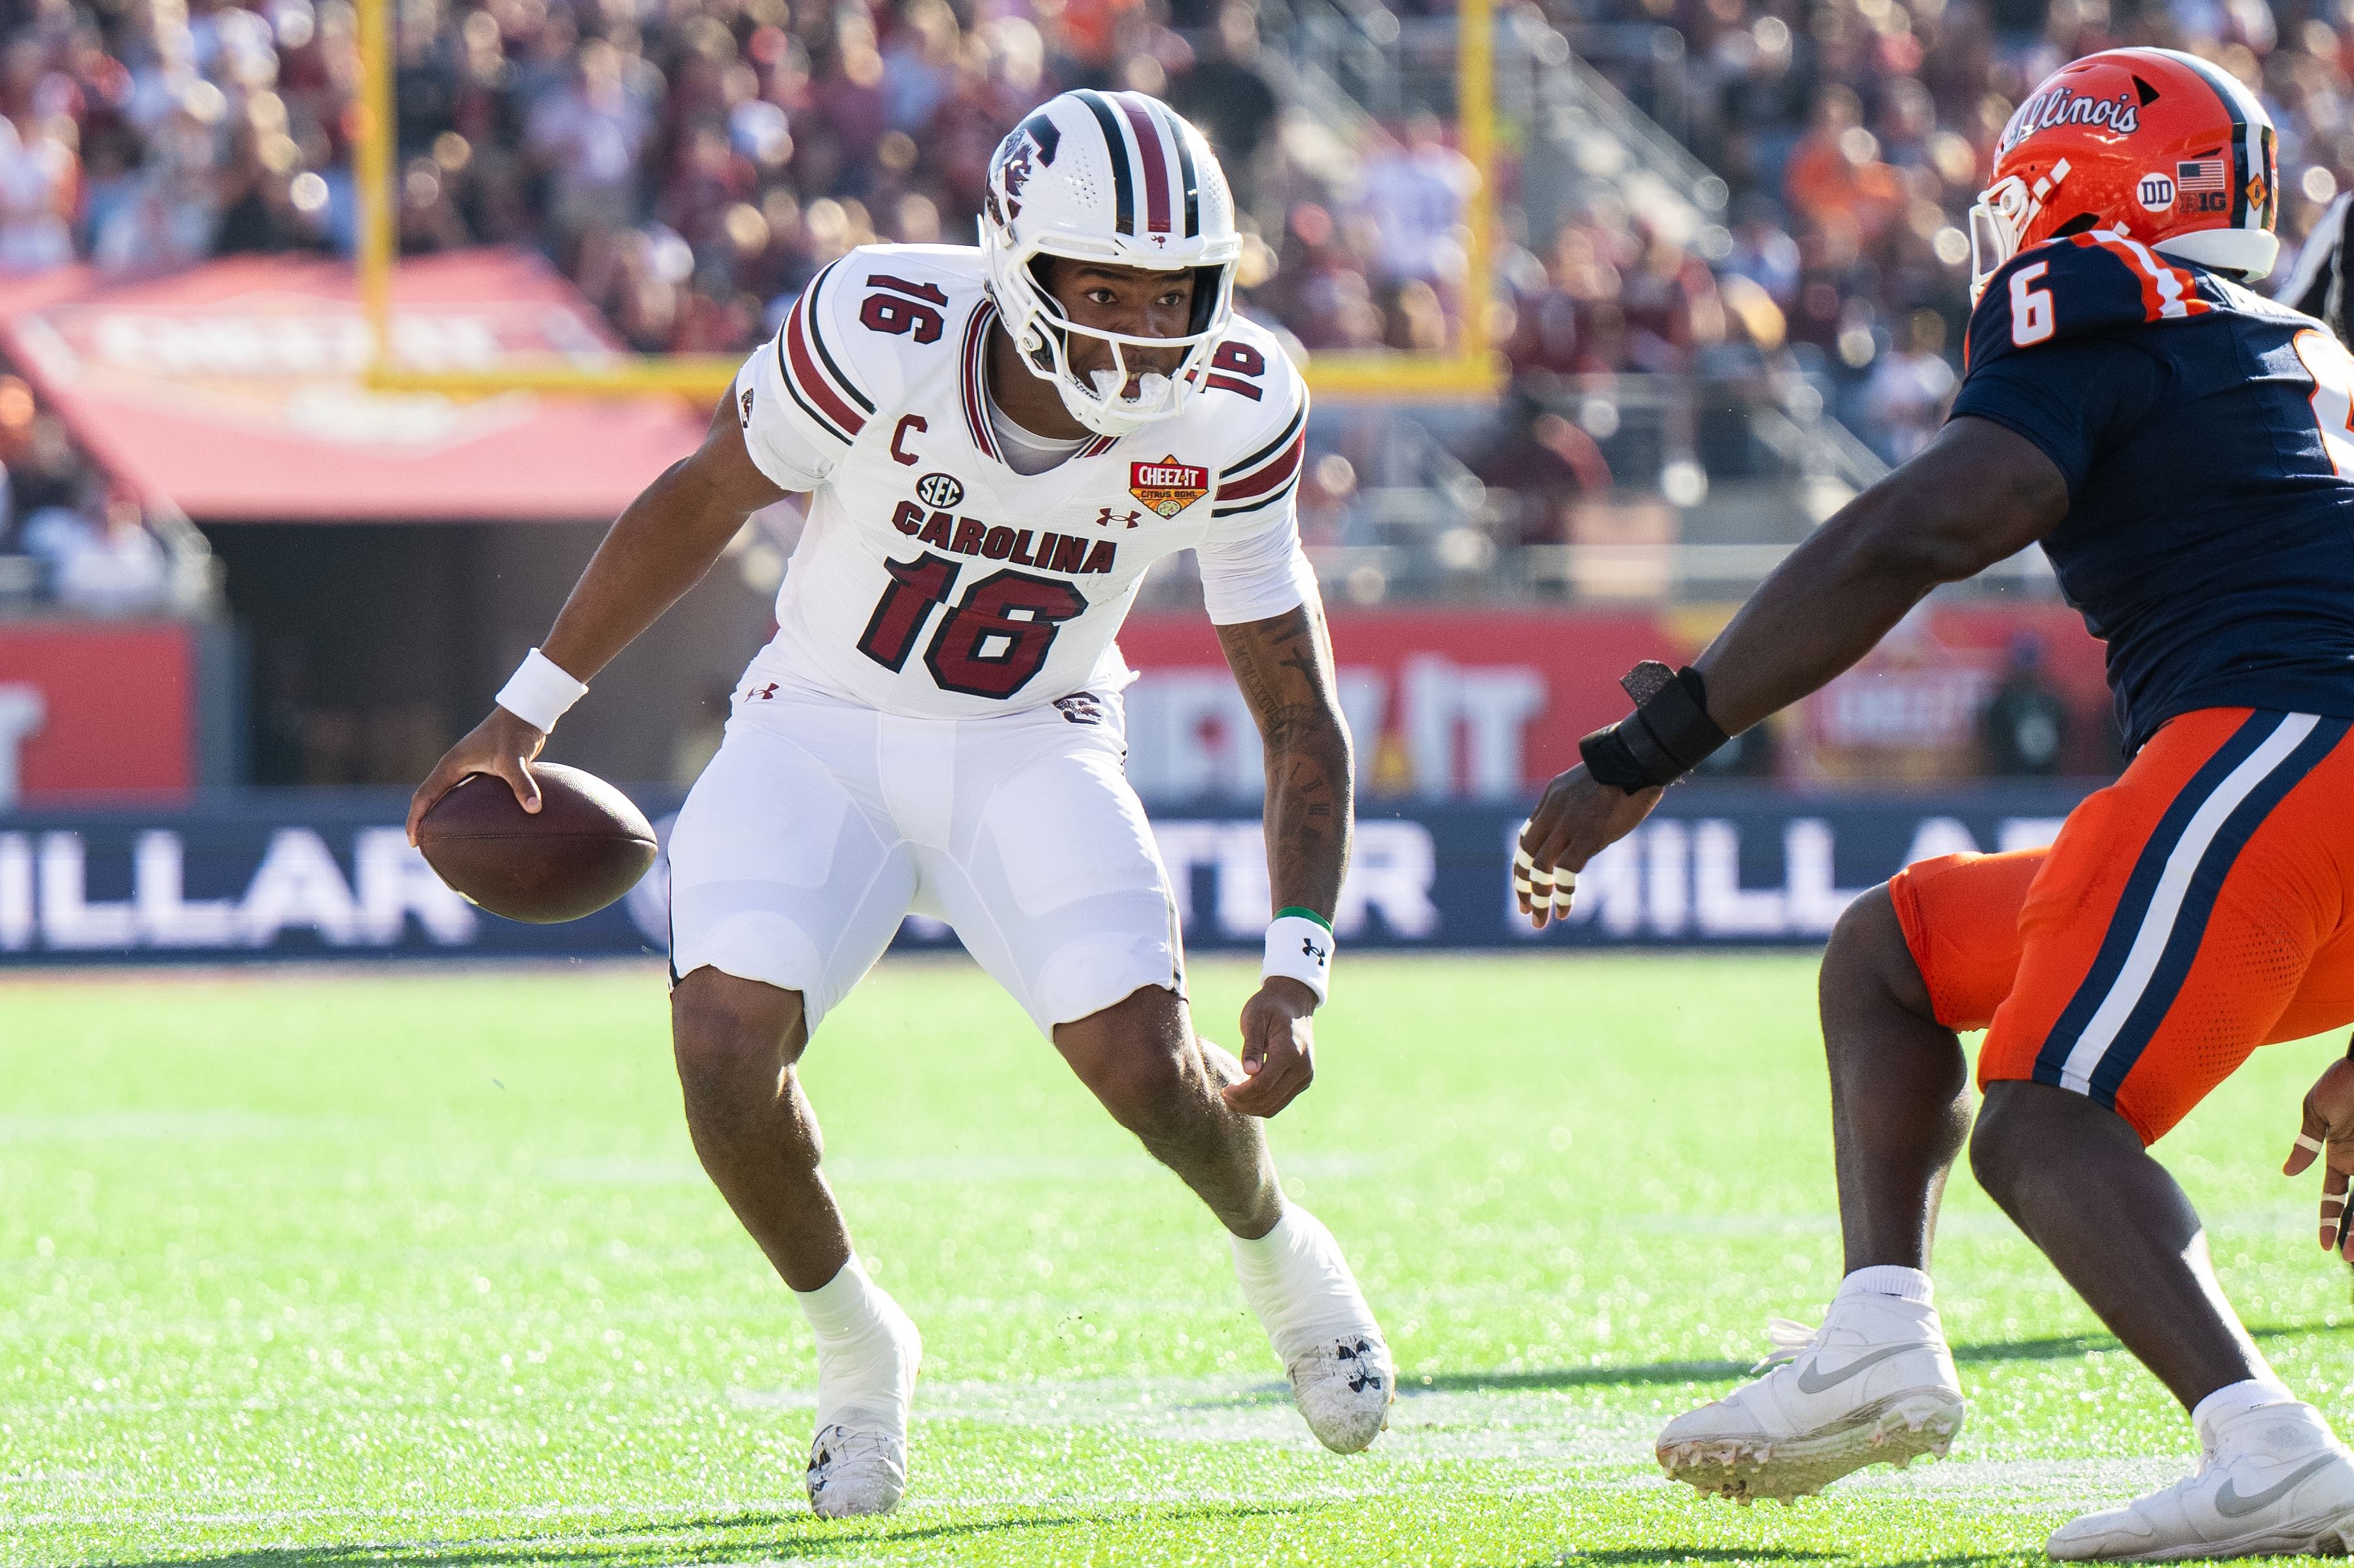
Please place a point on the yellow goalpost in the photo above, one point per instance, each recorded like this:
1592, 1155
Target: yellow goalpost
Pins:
1469, 373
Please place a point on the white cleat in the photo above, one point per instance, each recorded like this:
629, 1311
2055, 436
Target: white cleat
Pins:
1874, 1385
1298, 1282
2272, 1482
853, 1474
1345, 1388
858, 1460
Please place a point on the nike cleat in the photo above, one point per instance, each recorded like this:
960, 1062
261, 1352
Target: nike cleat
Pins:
1874, 1385
2271, 1482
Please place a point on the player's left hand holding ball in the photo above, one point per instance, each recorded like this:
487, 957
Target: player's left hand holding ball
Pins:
1278, 1047
2329, 1129
1576, 820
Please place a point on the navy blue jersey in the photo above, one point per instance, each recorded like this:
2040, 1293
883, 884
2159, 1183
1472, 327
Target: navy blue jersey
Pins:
2207, 437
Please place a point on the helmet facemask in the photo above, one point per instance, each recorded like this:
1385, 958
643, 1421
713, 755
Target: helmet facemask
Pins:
1114, 180
1103, 399
2005, 211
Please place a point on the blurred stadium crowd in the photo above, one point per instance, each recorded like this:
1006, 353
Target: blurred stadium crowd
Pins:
689, 164
67, 536
1856, 133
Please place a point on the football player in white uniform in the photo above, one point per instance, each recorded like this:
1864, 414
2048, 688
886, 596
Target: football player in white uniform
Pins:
995, 443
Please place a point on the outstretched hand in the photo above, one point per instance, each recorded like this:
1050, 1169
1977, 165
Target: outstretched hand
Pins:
2328, 1131
1576, 820
503, 746
1278, 1052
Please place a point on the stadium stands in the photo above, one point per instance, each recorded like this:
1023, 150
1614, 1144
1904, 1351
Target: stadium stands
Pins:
1855, 135
72, 538
1728, 225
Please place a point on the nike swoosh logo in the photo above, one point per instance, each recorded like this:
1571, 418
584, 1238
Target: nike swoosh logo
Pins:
1812, 1381
2232, 1505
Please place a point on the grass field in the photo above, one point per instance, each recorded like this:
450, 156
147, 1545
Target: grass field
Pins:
420, 1268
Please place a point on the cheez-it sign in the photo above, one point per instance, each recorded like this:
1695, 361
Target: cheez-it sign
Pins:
1168, 487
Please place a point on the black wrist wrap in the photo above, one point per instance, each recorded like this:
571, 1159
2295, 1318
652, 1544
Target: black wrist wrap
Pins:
1667, 736
1610, 761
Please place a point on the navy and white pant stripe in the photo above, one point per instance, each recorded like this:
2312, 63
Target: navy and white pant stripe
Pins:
2155, 934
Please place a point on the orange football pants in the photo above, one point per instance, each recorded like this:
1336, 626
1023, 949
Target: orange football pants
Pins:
2192, 911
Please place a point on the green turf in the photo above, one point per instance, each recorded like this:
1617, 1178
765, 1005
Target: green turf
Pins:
420, 1268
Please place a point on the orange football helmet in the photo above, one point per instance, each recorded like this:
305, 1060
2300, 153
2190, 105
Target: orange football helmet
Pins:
2158, 146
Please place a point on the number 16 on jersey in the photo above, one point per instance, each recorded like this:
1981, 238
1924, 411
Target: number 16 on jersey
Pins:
989, 644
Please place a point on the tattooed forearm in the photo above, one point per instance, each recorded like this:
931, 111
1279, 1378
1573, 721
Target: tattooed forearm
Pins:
1284, 666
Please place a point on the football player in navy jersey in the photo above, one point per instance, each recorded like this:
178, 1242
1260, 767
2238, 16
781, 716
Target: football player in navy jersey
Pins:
2183, 451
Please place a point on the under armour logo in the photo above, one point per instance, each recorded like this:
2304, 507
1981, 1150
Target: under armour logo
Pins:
1315, 954
1104, 517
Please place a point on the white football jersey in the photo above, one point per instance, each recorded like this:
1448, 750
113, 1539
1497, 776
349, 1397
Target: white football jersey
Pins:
932, 580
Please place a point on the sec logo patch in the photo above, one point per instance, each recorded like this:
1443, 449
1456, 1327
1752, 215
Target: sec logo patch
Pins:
939, 491
1168, 487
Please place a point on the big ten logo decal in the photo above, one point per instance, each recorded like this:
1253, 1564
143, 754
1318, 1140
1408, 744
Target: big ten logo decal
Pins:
908, 309
2204, 185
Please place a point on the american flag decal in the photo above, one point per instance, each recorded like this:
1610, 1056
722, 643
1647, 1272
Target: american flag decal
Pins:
2201, 174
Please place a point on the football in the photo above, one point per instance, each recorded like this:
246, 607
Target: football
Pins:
585, 847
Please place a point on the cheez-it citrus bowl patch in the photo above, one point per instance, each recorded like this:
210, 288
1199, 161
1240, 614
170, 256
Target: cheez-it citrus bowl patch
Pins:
1168, 487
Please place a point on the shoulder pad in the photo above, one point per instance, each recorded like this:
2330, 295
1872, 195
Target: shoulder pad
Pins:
2082, 286
1250, 384
1265, 438
814, 355
868, 324
955, 271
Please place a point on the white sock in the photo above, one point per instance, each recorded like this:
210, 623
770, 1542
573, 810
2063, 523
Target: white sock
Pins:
1296, 1279
2236, 1399
1890, 1280
859, 1367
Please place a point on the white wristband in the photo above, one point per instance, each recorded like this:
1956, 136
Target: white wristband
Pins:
1299, 947
540, 691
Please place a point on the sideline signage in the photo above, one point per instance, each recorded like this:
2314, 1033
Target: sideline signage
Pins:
303, 875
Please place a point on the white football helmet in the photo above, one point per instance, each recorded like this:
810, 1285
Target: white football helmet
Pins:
1121, 179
